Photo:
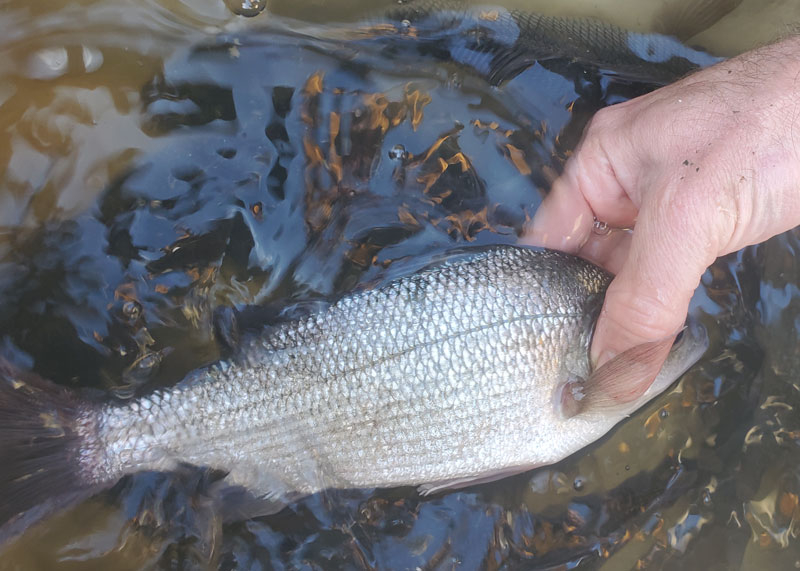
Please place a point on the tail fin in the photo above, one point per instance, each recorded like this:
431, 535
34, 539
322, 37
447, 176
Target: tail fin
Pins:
42, 429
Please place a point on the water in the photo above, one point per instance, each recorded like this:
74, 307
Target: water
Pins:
161, 164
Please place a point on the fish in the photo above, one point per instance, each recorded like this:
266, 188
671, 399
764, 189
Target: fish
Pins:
500, 43
471, 368
684, 20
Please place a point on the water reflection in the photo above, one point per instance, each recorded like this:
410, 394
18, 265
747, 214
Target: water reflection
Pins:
135, 203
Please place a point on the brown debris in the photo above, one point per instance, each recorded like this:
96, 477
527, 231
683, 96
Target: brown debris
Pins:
377, 119
312, 88
653, 422
415, 100
334, 160
126, 292
313, 152
313, 85
363, 254
469, 223
517, 157
405, 216
788, 504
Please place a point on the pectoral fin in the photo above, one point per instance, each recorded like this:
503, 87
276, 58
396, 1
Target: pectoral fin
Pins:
618, 382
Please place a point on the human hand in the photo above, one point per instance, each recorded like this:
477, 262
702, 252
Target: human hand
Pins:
698, 169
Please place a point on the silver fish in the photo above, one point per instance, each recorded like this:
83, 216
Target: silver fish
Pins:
473, 368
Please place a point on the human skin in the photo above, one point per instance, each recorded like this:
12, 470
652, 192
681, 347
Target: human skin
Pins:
697, 169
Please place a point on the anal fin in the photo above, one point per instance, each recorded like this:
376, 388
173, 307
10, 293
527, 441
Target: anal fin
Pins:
467, 481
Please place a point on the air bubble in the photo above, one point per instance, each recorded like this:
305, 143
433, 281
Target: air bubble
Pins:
48, 63
398, 153
247, 8
92, 59
132, 310
454, 81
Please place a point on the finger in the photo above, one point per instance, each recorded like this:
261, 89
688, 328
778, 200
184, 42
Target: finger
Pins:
563, 221
587, 189
609, 251
566, 221
649, 297
591, 175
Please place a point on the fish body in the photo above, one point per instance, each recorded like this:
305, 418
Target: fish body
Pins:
451, 375
499, 43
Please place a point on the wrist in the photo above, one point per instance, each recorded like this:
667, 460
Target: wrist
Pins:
759, 92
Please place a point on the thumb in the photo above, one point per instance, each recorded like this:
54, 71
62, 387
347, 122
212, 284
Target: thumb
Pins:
649, 298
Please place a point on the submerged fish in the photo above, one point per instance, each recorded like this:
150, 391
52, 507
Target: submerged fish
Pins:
500, 43
472, 368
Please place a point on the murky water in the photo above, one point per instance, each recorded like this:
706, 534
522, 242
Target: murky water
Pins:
165, 158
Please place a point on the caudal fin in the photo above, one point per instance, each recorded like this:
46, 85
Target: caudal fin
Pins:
43, 429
